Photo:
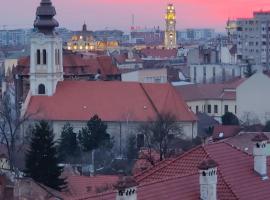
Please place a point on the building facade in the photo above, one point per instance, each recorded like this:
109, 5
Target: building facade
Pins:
253, 38
252, 99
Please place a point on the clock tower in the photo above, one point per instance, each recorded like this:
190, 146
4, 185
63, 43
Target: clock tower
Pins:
170, 32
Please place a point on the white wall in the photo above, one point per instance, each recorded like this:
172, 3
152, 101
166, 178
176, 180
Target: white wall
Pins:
127, 129
203, 107
209, 77
253, 99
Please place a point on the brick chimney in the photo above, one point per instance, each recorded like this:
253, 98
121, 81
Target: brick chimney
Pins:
208, 180
126, 189
260, 155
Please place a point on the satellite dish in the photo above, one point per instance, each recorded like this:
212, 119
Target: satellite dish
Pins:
221, 135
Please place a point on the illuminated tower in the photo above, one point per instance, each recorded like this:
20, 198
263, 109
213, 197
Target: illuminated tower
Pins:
170, 33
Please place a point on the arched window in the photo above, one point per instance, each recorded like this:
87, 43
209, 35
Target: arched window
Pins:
38, 57
41, 89
44, 53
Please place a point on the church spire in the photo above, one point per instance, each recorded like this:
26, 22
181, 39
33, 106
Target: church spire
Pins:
45, 23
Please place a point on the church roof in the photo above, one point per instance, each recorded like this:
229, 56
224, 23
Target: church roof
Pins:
113, 101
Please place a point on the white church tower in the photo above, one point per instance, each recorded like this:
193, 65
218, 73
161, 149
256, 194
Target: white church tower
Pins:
46, 62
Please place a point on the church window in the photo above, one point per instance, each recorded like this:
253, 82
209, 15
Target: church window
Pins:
55, 55
38, 57
44, 53
41, 89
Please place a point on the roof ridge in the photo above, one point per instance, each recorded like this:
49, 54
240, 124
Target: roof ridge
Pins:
177, 158
167, 179
236, 148
219, 171
228, 185
149, 98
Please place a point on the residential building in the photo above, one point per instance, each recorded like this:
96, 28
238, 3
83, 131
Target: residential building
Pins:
218, 171
193, 34
214, 73
252, 99
128, 60
147, 36
210, 64
212, 99
159, 75
253, 38
16, 37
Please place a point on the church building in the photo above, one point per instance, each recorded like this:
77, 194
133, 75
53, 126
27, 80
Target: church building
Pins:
124, 106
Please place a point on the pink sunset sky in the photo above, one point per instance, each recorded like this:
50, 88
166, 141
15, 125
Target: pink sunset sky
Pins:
100, 14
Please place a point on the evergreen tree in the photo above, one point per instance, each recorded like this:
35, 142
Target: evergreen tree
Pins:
68, 145
41, 159
94, 135
249, 70
229, 119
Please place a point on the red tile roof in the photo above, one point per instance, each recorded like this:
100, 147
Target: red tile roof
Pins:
86, 185
122, 59
224, 131
235, 168
74, 64
179, 178
112, 101
218, 91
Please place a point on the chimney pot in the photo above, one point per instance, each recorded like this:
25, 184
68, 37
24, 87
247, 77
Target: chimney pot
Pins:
208, 180
260, 155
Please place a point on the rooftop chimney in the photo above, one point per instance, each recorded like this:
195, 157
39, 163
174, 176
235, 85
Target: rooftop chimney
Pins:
208, 180
126, 189
260, 154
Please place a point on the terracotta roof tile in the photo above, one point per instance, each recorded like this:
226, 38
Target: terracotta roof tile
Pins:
224, 131
112, 101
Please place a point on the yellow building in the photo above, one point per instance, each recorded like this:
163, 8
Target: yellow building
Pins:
84, 41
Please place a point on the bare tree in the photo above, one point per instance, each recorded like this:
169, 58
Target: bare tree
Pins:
159, 134
10, 125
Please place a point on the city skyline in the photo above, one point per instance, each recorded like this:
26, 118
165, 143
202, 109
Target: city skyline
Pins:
117, 14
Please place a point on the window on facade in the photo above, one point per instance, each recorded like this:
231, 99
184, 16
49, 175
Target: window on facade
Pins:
226, 108
55, 56
140, 140
44, 54
195, 74
209, 108
58, 57
204, 74
38, 57
41, 89
214, 74
235, 109
197, 109
216, 109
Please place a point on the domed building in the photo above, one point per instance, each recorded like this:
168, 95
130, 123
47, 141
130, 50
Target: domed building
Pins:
82, 40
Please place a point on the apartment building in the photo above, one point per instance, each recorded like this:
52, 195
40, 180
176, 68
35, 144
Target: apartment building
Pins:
253, 38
